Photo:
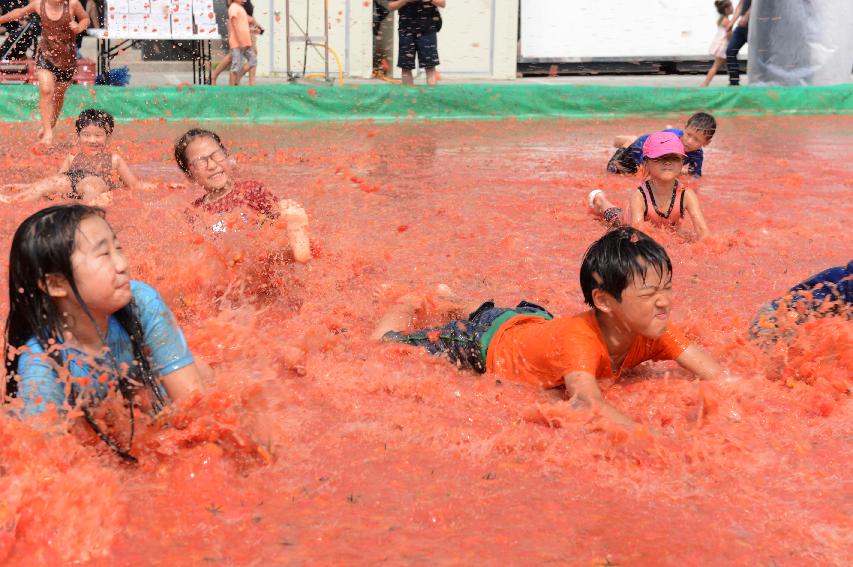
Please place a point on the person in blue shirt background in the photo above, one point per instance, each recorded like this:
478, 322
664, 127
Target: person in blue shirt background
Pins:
79, 328
697, 133
826, 294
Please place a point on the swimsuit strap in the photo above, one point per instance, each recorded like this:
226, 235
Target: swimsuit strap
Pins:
645, 202
671, 201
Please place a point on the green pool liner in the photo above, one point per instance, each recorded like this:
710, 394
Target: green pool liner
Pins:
386, 102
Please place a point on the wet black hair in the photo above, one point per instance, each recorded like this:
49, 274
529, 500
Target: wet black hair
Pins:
43, 245
100, 118
721, 6
703, 122
617, 258
184, 141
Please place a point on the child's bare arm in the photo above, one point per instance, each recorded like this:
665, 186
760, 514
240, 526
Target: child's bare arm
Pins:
81, 16
31, 8
691, 205
58, 183
439, 3
182, 382
125, 173
638, 209
66, 163
583, 391
623, 141
701, 364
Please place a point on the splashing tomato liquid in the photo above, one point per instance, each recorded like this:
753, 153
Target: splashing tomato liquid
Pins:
313, 445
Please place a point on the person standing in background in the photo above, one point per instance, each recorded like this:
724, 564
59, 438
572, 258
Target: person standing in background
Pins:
420, 22
740, 33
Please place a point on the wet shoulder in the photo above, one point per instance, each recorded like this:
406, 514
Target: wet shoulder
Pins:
147, 299
582, 326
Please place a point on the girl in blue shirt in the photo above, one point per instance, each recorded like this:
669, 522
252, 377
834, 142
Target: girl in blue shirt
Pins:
79, 328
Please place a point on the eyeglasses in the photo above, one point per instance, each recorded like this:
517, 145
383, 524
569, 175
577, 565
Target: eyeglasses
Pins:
204, 161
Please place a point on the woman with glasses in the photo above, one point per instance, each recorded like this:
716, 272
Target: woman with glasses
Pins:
202, 156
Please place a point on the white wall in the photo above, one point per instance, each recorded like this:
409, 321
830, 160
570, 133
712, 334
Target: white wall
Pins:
350, 36
478, 39
580, 29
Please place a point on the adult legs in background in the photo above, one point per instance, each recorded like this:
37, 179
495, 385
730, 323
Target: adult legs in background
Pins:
738, 40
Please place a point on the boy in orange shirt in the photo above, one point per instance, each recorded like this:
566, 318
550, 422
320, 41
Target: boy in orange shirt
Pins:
626, 278
243, 56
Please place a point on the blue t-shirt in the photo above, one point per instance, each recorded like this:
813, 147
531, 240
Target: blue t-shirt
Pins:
40, 384
693, 161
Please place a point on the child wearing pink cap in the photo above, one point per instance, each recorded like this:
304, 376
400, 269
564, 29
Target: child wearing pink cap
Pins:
661, 198
697, 133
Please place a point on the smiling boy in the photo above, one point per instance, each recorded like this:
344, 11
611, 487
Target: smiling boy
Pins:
626, 278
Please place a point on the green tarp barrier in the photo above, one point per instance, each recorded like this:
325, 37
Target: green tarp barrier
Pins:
385, 102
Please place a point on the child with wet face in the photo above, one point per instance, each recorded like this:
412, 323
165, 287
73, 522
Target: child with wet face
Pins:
89, 173
202, 156
661, 199
626, 278
80, 329
697, 134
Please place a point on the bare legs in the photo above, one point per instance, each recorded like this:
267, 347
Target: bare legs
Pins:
598, 202
400, 315
225, 63
601, 206
431, 77
712, 72
51, 99
297, 229
408, 78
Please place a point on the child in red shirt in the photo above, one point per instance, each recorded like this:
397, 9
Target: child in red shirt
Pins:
203, 158
626, 278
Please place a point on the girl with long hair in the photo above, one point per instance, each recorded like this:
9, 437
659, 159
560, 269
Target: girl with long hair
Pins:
79, 328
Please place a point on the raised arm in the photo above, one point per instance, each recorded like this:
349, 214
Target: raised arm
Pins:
297, 229
691, 205
583, 392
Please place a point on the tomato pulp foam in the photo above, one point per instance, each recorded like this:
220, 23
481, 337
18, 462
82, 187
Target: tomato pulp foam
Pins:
314, 446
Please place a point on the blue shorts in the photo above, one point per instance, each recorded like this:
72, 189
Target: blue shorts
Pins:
424, 45
465, 341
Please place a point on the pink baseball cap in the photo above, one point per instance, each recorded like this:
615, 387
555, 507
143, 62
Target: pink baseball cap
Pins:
662, 143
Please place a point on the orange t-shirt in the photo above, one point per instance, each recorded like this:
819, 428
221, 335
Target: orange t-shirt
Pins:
535, 351
238, 27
